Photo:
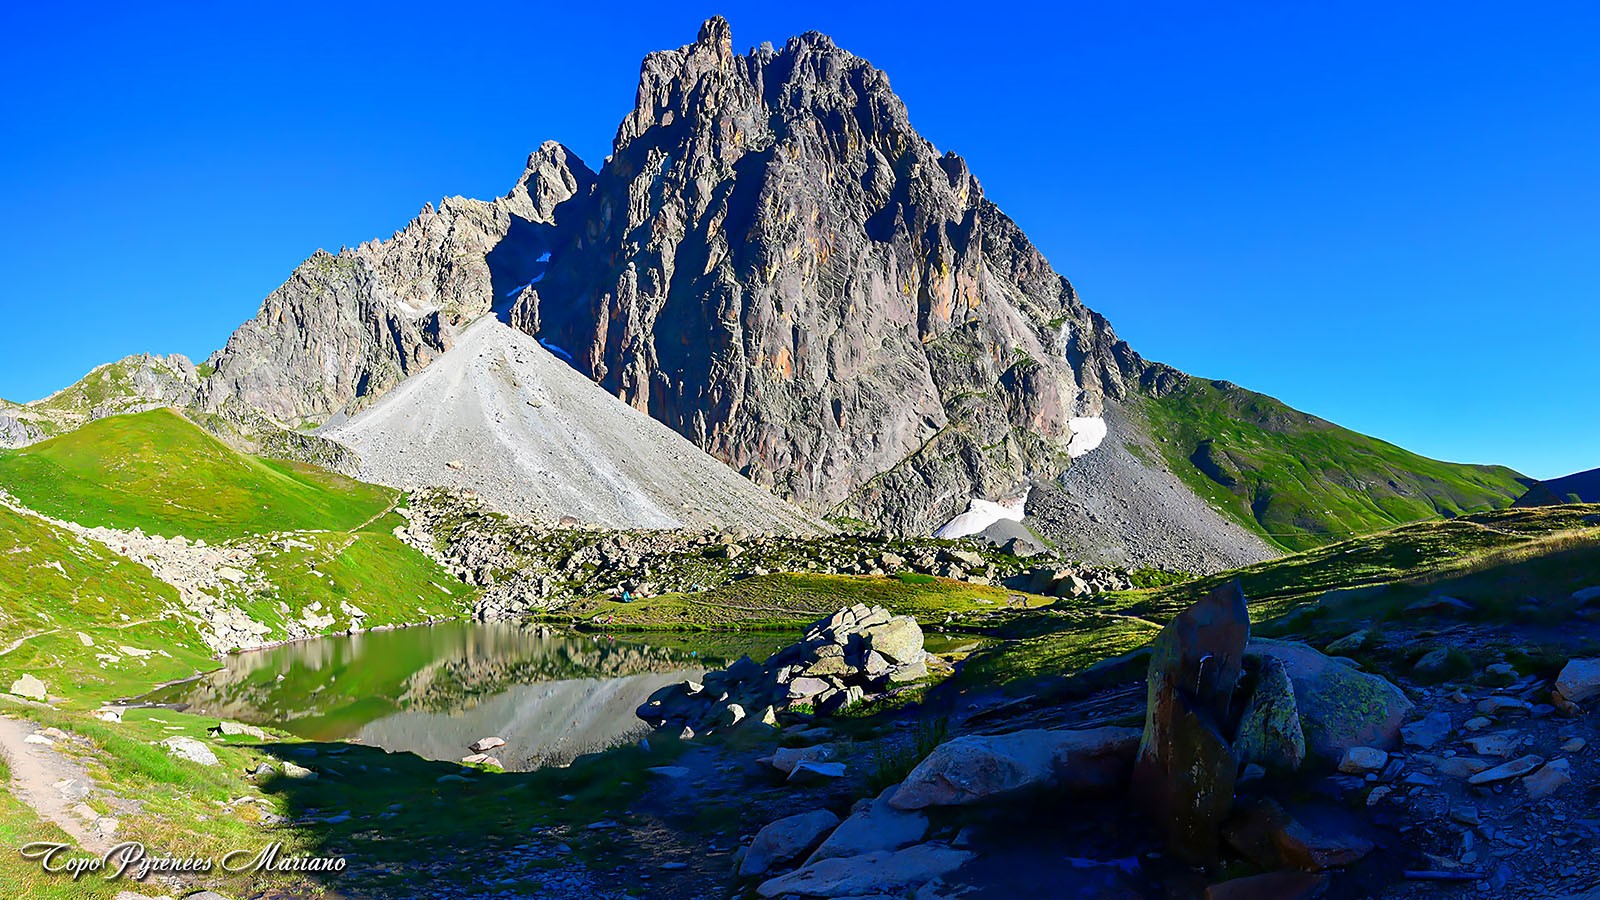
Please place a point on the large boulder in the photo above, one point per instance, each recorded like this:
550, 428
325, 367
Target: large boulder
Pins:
874, 826
977, 768
1579, 680
1186, 767
785, 841
1340, 707
872, 874
188, 748
29, 687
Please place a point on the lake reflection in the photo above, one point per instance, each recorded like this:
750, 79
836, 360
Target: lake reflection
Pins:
434, 690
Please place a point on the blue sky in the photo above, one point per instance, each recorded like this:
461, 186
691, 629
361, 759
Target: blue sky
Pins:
1384, 214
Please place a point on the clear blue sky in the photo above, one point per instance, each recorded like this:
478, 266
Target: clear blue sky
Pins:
1386, 214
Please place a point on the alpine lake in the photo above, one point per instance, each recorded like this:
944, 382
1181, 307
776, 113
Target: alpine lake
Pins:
434, 690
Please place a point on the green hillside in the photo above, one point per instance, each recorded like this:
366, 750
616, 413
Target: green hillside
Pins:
1302, 481
1514, 565
86, 620
159, 472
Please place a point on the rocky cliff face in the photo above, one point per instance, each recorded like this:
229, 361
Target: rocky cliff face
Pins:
345, 328
774, 263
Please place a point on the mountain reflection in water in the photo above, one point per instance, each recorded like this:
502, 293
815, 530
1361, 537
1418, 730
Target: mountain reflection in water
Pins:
433, 690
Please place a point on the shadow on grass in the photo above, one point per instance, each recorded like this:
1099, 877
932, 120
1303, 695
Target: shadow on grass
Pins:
395, 818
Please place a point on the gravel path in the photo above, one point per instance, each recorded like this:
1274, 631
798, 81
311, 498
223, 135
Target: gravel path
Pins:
45, 779
502, 415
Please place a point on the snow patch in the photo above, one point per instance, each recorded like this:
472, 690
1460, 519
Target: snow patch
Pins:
980, 515
556, 350
1087, 433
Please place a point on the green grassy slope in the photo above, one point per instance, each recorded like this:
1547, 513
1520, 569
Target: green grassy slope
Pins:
1302, 481
159, 472
791, 601
68, 608
1497, 561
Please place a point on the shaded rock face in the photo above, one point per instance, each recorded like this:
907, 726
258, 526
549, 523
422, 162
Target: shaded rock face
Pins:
345, 328
16, 432
774, 263
1186, 768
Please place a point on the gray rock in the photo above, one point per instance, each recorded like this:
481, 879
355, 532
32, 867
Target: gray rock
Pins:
1579, 680
785, 841
187, 748
875, 826
784, 759
1362, 760
30, 687
1340, 707
1549, 778
1426, 731
1516, 768
810, 772
899, 640
978, 768
871, 874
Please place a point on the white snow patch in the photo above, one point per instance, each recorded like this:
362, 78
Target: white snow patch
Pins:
1087, 433
980, 515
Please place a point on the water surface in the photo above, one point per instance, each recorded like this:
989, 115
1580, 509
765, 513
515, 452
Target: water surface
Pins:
433, 690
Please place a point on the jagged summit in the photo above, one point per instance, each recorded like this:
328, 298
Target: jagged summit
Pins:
774, 264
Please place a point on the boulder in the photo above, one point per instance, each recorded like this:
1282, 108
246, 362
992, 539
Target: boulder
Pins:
1549, 778
29, 687
1363, 760
977, 768
1184, 776
484, 745
237, 729
786, 840
899, 640
1579, 680
874, 826
784, 759
1426, 731
894, 873
1339, 706
187, 748
1269, 732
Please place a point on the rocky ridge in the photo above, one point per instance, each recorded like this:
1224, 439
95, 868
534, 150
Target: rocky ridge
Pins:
523, 566
133, 384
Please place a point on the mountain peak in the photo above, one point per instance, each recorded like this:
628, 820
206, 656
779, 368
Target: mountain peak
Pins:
716, 35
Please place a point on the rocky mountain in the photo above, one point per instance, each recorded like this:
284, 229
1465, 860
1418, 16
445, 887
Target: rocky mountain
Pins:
774, 263
501, 415
346, 328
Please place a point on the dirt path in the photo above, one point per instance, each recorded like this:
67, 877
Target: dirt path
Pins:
36, 772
